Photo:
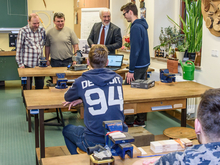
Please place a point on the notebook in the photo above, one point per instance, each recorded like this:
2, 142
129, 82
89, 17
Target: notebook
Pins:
115, 61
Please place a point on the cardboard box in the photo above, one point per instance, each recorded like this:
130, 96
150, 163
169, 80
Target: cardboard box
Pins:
142, 136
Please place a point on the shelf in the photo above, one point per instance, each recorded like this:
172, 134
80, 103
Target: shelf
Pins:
120, 50
165, 60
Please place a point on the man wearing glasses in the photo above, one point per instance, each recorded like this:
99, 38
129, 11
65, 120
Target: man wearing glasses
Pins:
105, 33
139, 52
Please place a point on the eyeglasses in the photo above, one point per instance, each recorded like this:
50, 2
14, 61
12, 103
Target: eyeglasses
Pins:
125, 13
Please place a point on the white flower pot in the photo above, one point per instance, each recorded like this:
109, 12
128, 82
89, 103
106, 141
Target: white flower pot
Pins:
180, 55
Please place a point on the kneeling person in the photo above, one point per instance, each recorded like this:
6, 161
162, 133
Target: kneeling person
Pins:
100, 90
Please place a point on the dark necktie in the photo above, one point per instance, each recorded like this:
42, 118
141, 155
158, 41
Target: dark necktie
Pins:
102, 38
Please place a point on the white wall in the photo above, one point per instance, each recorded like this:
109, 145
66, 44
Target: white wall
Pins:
210, 66
162, 8
116, 15
150, 18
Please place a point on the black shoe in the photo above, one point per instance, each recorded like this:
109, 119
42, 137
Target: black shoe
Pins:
139, 123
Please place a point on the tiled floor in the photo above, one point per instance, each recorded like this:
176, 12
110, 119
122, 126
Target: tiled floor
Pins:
17, 145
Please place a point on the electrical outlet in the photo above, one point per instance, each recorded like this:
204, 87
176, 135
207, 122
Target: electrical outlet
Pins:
214, 53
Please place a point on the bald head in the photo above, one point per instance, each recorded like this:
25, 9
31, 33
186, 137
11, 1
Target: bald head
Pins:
33, 21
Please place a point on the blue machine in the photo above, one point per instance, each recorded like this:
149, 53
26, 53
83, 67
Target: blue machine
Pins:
167, 77
23, 80
61, 81
34, 111
43, 62
118, 146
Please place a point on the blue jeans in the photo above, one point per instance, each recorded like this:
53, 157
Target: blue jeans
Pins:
39, 82
74, 137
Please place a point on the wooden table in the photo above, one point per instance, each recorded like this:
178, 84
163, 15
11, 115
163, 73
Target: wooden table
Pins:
157, 98
52, 71
83, 159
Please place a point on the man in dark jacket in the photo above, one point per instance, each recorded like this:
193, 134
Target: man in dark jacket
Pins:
100, 90
105, 33
139, 52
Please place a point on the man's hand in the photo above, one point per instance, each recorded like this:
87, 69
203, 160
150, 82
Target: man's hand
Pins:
48, 63
73, 103
130, 77
22, 66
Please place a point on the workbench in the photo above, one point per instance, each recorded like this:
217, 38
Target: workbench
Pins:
83, 159
52, 71
8, 66
158, 98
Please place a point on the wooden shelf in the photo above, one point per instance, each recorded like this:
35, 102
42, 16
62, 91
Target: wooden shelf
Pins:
165, 60
7, 53
126, 51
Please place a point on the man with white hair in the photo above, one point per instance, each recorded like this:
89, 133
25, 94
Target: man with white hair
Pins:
105, 33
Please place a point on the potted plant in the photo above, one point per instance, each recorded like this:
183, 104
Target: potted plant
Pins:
169, 38
181, 50
192, 26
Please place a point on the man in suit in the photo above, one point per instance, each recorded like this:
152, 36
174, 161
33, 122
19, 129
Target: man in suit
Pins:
105, 33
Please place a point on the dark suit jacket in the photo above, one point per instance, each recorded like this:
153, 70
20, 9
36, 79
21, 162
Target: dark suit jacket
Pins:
113, 40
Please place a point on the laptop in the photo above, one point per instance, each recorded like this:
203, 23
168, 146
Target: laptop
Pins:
115, 61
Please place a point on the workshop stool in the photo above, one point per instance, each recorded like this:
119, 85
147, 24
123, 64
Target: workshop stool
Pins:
180, 132
79, 151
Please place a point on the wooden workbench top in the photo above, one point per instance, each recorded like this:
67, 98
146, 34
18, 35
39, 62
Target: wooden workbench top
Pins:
83, 159
51, 71
164, 91
7, 53
53, 98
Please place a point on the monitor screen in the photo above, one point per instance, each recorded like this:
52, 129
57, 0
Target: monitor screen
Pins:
115, 60
12, 39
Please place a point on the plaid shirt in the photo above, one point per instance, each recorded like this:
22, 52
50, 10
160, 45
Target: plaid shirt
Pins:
30, 46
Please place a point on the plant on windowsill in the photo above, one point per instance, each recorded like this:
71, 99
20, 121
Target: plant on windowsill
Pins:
170, 38
192, 26
181, 50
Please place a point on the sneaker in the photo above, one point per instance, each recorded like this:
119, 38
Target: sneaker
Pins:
129, 125
139, 123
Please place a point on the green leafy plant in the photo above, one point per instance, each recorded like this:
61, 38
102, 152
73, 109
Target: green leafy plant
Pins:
168, 37
192, 25
183, 47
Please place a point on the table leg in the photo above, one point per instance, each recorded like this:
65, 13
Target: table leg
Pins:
28, 83
183, 118
36, 120
29, 121
36, 135
42, 138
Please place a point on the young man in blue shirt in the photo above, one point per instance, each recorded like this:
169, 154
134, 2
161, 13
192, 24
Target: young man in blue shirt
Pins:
139, 54
100, 90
